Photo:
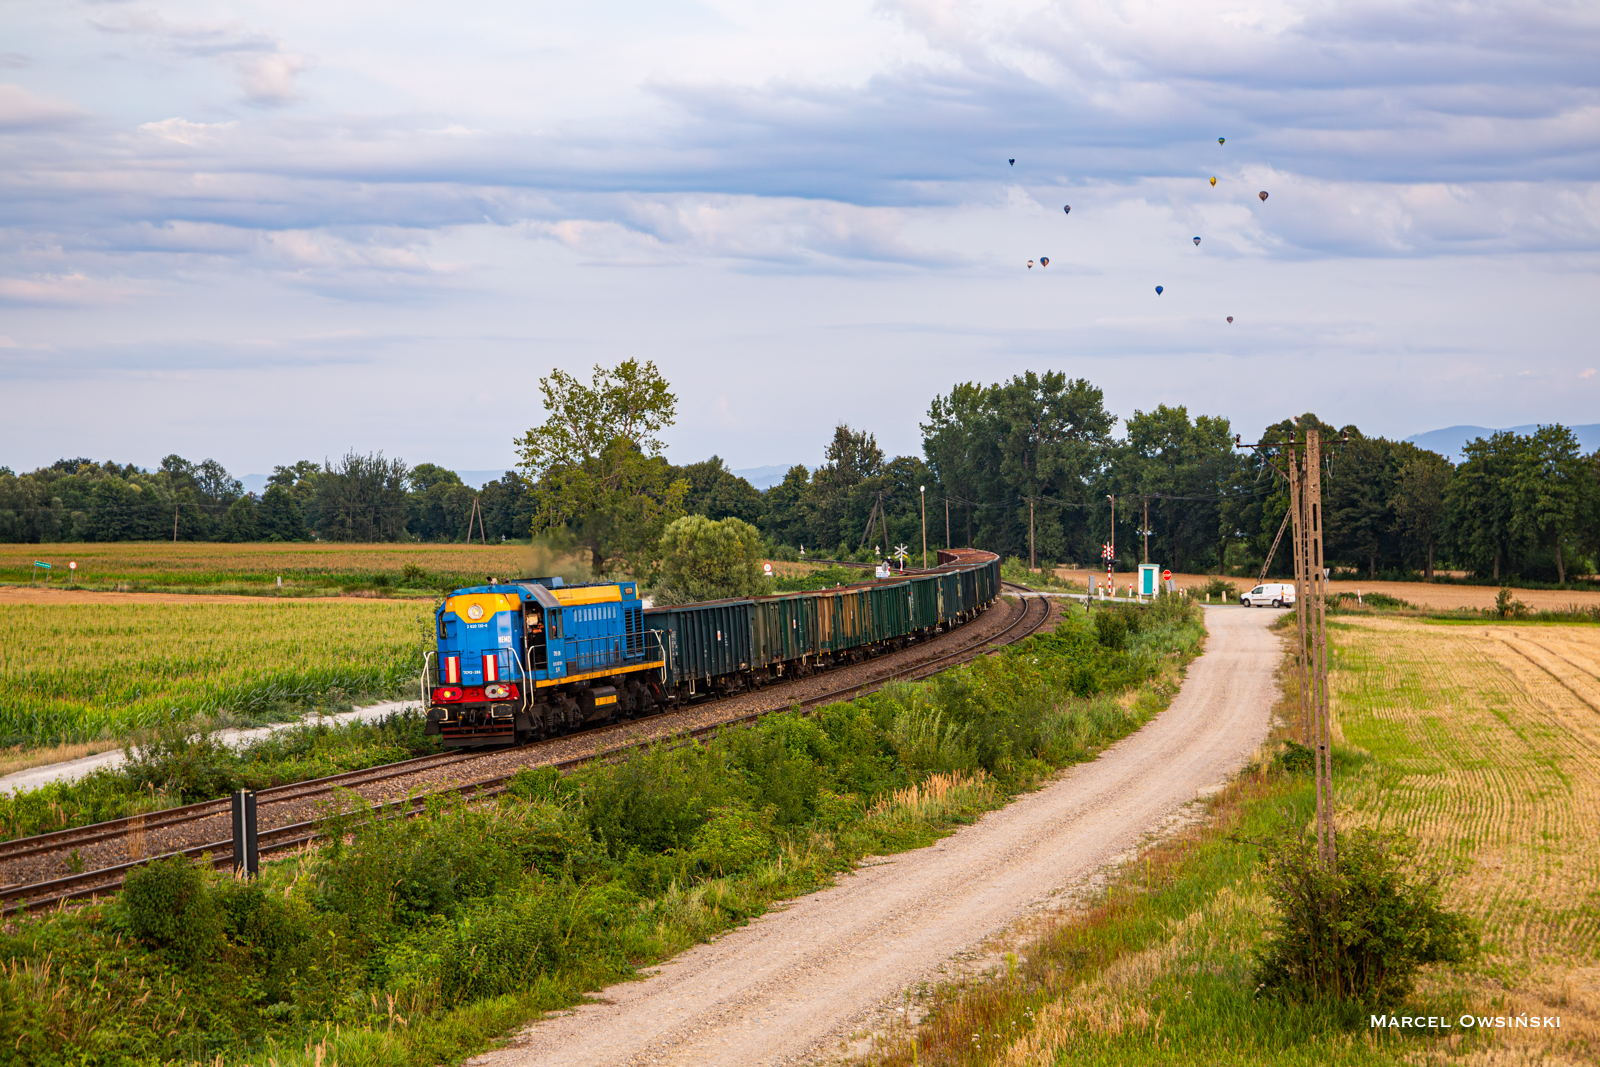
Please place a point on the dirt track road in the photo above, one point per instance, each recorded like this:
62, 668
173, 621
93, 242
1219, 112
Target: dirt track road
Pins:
785, 988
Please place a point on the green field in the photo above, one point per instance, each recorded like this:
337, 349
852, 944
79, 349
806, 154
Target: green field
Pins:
75, 672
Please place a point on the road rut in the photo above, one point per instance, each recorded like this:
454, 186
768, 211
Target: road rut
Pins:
786, 987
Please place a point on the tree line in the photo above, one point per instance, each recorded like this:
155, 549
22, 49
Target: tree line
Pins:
1031, 467
358, 498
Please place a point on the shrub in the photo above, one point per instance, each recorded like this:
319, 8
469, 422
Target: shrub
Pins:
1295, 759
171, 905
1111, 630
1358, 933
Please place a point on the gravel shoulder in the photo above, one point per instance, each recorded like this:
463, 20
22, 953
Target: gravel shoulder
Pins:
794, 982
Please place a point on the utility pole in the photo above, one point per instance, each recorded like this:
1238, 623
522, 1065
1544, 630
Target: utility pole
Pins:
1032, 558
1302, 469
1112, 558
922, 491
175, 523
1146, 529
1318, 649
947, 519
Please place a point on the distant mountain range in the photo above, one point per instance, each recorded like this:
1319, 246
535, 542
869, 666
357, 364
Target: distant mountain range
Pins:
1449, 441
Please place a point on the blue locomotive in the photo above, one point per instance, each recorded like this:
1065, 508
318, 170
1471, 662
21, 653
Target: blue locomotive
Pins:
527, 659
538, 657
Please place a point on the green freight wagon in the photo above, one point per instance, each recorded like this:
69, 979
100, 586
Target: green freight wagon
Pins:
783, 629
703, 642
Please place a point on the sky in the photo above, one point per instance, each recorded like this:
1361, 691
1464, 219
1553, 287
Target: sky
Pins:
264, 232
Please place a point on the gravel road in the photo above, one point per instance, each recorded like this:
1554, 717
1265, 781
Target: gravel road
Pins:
790, 985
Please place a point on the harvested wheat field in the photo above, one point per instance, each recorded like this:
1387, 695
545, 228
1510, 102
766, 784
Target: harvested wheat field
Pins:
1439, 596
1486, 746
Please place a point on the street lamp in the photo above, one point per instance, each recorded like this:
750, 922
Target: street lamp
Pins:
924, 491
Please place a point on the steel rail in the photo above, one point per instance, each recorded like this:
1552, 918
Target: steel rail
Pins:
296, 835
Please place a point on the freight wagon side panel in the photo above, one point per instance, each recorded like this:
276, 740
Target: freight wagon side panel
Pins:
704, 640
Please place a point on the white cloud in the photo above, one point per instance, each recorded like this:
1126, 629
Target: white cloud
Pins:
270, 79
185, 132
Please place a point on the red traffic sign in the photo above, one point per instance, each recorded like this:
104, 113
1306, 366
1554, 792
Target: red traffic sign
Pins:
1166, 576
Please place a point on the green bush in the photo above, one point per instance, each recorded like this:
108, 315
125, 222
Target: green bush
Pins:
170, 905
1358, 933
1111, 629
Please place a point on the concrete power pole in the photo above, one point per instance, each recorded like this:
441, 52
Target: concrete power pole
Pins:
1032, 558
1303, 471
1146, 529
923, 490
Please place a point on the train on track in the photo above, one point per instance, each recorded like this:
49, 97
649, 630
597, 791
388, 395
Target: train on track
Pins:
522, 660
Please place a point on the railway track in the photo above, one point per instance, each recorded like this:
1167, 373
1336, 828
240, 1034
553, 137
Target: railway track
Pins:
107, 879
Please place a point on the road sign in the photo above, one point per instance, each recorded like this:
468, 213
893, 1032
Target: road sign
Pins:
768, 568
1166, 576
41, 563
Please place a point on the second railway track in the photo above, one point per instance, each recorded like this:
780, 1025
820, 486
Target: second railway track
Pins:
131, 831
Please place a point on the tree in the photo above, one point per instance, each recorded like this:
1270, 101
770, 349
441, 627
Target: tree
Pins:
1180, 470
709, 559
1038, 438
1549, 490
596, 463
364, 499
1481, 505
507, 507
1421, 499
280, 517
215, 484
784, 514
716, 492
425, 476
239, 524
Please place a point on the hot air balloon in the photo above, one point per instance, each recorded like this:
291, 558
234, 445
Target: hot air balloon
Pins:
1030, 264
1197, 240
1262, 194
1213, 181
1067, 210
1158, 290
1222, 140
1012, 162
1230, 318
1044, 261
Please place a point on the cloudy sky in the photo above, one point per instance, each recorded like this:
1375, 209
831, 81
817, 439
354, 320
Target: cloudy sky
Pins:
272, 231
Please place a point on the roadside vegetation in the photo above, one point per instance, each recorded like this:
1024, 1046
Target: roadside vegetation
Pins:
1467, 773
181, 766
76, 672
415, 941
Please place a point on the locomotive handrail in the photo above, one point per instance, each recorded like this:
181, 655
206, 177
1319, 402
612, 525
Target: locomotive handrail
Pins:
422, 695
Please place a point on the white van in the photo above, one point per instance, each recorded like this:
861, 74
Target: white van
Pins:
1278, 594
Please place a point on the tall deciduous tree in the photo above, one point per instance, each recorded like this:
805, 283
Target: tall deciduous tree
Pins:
1421, 501
362, 499
597, 467
1549, 491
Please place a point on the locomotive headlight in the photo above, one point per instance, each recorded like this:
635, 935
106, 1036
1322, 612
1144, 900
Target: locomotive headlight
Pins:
495, 692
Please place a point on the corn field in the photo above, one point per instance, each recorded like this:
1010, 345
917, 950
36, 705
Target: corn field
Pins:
255, 567
73, 672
